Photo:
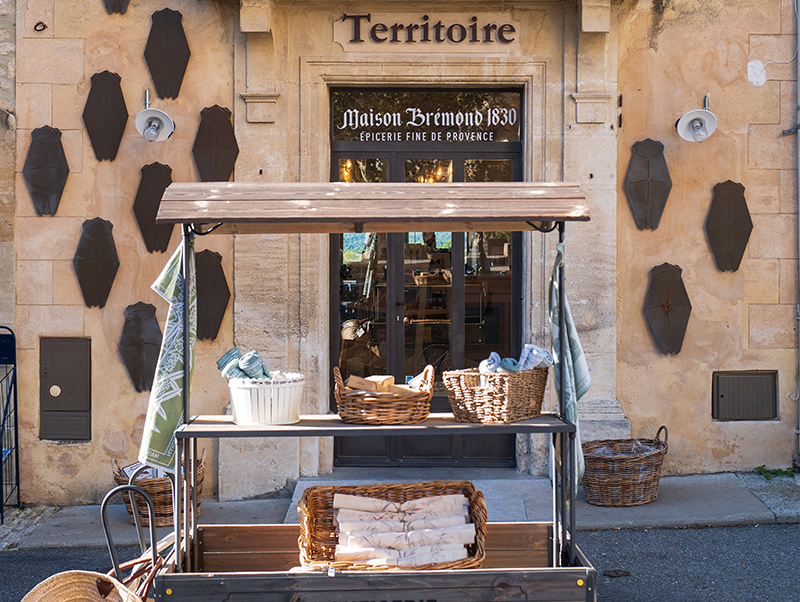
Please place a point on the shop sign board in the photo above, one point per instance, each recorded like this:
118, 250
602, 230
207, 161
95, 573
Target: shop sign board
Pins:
426, 32
374, 115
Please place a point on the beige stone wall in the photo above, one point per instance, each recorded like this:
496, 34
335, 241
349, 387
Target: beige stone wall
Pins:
7, 150
671, 53
54, 68
286, 312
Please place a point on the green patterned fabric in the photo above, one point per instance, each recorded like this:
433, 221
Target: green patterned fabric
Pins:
577, 378
165, 409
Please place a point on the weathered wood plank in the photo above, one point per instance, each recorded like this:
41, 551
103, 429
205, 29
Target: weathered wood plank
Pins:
478, 585
332, 425
238, 562
249, 538
395, 207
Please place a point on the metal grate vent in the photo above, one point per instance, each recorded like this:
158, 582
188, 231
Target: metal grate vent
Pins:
745, 395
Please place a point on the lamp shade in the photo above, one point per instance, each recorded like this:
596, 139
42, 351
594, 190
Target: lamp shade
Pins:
696, 125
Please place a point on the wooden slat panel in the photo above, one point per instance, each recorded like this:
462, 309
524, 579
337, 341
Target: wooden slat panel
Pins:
250, 562
234, 548
250, 538
563, 584
338, 207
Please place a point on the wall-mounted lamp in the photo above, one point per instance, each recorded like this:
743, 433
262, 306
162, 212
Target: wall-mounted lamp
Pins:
155, 125
698, 124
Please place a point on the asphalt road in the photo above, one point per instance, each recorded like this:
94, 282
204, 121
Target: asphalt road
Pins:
733, 564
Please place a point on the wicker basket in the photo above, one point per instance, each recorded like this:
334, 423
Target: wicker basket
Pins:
618, 475
508, 397
160, 490
375, 407
267, 400
318, 537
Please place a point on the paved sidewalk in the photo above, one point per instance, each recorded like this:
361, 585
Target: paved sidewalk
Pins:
725, 499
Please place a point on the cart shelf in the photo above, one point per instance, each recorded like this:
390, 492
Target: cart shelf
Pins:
330, 425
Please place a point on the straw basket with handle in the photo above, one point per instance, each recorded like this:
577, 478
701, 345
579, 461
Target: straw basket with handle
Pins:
318, 536
381, 407
495, 397
623, 472
160, 491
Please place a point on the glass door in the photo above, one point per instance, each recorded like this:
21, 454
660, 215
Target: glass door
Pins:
402, 301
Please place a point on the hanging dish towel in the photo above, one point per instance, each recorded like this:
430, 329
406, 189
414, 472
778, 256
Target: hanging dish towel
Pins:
577, 378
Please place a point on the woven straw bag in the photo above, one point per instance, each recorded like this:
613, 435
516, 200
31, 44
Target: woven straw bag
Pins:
80, 586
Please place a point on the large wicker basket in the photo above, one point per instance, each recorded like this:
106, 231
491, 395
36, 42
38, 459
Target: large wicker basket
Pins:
318, 537
507, 397
160, 490
623, 472
376, 407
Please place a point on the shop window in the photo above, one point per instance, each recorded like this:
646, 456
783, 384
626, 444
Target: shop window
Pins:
65, 403
749, 395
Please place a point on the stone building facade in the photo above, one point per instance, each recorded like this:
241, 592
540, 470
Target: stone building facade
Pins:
595, 76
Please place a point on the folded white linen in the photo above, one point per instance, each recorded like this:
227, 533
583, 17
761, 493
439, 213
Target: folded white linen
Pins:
460, 534
347, 554
431, 558
376, 526
345, 515
436, 503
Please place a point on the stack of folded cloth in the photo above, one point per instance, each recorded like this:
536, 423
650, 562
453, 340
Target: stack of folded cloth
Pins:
428, 530
250, 365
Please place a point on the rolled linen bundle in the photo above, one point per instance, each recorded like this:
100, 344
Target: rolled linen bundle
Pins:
490, 364
534, 357
376, 526
433, 504
461, 534
508, 365
229, 355
389, 556
252, 364
232, 370
346, 515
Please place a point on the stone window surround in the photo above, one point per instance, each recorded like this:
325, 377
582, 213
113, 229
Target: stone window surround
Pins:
319, 74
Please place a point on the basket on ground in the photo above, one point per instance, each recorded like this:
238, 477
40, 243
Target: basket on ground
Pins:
267, 400
623, 472
507, 397
318, 537
160, 490
380, 407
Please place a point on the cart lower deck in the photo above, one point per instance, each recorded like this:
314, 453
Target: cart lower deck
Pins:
249, 563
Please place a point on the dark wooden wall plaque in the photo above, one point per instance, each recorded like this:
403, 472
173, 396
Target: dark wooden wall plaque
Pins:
728, 225
105, 115
140, 344
167, 52
46, 169
667, 307
215, 148
116, 6
154, 181
213, 294
96, 261
647, 183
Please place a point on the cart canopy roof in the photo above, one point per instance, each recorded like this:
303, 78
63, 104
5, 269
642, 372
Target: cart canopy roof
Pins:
382, 207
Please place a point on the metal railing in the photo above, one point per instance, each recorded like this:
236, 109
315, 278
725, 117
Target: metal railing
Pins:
9, 437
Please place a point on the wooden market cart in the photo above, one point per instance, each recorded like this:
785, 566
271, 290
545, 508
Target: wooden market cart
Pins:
524, 561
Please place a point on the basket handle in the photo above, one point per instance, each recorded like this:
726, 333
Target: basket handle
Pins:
666, 433
427, 378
